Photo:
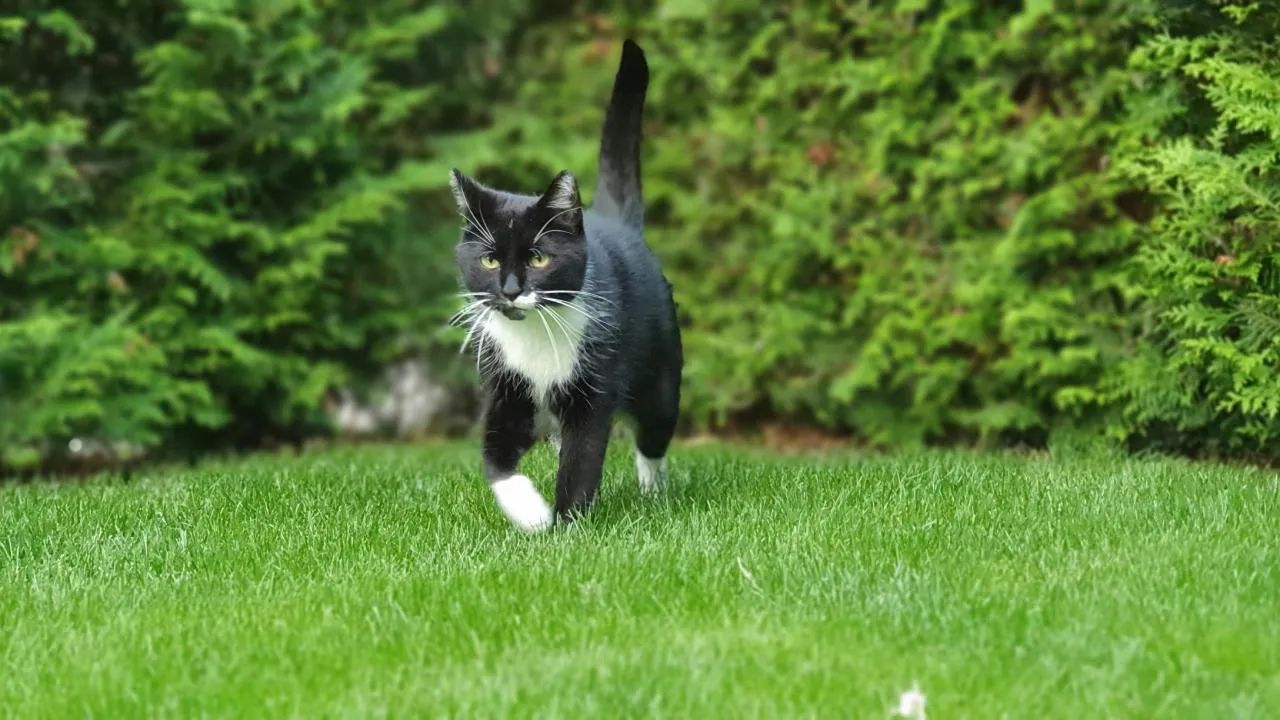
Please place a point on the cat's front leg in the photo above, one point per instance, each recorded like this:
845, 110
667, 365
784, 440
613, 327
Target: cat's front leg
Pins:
584, 436
508, 435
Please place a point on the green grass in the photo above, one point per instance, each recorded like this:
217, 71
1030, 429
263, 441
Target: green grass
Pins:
384, 582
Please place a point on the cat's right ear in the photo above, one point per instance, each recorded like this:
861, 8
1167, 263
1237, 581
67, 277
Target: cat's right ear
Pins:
464, 190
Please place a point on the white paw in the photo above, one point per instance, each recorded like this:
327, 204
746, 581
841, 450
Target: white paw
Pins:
522, 504
652, 473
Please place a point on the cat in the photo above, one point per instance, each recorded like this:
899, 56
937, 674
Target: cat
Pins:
572, 321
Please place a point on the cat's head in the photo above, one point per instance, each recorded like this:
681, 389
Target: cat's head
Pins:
518, 252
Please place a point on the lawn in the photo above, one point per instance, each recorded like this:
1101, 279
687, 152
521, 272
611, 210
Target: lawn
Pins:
384, 582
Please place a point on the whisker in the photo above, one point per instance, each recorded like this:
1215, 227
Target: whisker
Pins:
590, 317
468, 313
585, 293
564, 327
471, 332
551, 338
538, 235
475, 227
486, 356
467, 308
488, 232
584, 356
576, 293
481, 229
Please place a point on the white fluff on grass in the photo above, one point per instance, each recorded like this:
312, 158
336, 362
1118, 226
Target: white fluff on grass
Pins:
911, 704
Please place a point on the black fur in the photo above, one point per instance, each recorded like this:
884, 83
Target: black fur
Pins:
630, 358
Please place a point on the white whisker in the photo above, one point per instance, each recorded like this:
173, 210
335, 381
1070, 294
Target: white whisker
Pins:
475, 225
471, 332
576, 293
584, 356
560, 323
485, 358
589, 316
482, 229
538, 235
458, 317
467, 311
488, 232
555, 351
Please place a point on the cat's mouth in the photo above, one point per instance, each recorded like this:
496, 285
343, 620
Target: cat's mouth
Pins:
516, 308
511, 312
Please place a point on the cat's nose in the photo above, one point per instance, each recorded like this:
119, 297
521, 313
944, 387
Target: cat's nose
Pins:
511, 287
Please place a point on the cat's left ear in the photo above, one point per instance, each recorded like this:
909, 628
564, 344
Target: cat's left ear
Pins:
464, 191
562, 201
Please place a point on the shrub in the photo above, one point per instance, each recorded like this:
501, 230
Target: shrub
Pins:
910, 222
205, 211
1205, 376
894, 220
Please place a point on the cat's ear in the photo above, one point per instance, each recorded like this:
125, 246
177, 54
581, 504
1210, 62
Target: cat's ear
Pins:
465, 191
562, 193
562, 202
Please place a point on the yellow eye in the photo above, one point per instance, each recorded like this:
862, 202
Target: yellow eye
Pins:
489, 262
539, 260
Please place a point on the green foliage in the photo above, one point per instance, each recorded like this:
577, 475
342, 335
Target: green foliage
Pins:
894, 220
205, 211
909, 222
1205, 376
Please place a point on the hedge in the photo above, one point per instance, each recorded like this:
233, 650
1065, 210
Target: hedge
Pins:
894, 222
1203, 374
904, 223
208, 213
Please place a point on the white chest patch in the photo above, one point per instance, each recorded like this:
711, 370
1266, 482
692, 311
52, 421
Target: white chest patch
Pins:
543, 348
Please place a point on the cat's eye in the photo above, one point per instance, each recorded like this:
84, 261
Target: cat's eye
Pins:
488, 262
539, 260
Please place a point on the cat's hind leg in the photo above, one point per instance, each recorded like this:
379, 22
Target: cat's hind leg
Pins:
656, 413
651, 472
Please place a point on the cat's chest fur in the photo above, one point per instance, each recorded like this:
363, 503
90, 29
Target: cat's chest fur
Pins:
545, 351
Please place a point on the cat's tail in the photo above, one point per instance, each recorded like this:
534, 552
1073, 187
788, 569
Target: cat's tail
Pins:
618, 189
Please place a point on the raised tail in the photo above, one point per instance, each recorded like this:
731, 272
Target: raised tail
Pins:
618, 189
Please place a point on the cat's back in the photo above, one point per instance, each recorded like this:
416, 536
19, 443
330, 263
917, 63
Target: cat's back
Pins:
624, 269
624, 249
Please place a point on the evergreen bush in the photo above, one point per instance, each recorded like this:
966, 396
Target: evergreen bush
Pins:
1204, 377
905, 222
208, 213
896, 221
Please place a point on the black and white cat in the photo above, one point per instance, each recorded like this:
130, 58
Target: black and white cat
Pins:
572, 320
